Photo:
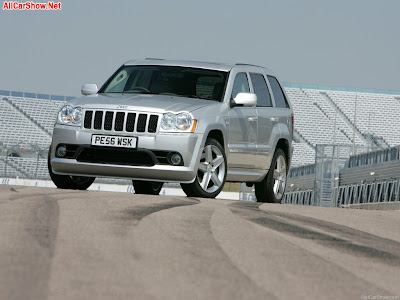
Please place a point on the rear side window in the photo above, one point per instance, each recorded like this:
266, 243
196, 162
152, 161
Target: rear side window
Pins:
261, 90
280, 99
241, 85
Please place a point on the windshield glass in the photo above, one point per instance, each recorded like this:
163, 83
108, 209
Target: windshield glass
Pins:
168, 80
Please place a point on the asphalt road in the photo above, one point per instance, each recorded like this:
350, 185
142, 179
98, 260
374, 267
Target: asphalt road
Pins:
60, 244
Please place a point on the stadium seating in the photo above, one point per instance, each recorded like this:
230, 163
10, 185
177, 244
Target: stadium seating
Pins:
19, 129
43, 111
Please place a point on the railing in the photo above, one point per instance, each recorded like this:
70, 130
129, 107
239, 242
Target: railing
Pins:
342, 89
300, 197
384, 191
374, 157
302, 171
34, 95
24, 161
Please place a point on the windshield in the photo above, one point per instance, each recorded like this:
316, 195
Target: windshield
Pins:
168, 80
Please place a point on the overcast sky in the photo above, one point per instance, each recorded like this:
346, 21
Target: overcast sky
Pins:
340, 43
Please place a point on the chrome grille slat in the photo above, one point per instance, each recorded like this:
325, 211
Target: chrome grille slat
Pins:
121, 121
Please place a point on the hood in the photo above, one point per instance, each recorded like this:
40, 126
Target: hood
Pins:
141, 102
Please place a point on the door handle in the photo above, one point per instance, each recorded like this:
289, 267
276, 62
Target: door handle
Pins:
274, 120
252, 119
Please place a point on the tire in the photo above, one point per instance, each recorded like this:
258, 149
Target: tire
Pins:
211, 174
147, 187
69, 182
272, 188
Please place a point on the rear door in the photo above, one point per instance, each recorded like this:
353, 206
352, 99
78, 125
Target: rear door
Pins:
266, 118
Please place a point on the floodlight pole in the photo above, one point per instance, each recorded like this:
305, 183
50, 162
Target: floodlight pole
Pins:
354, 127
334, 130
5, 167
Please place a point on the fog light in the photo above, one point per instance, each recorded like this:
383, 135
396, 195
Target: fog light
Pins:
176, 159
61, 151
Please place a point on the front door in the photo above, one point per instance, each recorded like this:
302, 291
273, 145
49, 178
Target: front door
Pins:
243, 123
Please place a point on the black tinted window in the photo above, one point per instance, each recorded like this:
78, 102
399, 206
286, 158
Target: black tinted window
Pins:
280, 99
241, 85
261, 90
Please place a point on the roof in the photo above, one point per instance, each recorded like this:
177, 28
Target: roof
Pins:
183, 63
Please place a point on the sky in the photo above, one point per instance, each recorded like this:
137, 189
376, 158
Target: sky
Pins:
353, 43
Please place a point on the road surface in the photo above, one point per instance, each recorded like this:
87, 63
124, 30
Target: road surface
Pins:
62, 244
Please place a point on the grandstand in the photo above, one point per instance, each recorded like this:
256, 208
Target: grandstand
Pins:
365, 119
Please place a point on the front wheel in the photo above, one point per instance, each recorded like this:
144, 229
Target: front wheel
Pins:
211, 173
147, 187
272, 188
69, 182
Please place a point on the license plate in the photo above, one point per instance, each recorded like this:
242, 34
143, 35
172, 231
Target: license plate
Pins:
114, 141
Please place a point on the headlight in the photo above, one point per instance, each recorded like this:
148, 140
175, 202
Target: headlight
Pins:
181, 122
168, 121
70, 115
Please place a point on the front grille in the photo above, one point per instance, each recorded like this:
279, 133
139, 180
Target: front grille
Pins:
121, 121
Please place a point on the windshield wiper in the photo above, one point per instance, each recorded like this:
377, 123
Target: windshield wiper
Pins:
197, 97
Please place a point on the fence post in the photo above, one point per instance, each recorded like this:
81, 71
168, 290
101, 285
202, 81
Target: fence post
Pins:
5, 167
37, 163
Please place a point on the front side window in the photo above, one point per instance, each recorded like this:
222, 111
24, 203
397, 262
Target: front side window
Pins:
261, 90
279, 96
240, 85
168, 80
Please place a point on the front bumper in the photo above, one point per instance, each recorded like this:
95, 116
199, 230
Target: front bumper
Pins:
189, 145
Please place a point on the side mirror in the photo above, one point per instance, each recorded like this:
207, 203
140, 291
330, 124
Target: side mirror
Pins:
245, 99
89, 89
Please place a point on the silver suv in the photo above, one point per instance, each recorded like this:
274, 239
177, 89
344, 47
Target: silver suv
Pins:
196, 123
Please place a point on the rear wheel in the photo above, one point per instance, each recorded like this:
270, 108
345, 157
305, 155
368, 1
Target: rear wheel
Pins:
67, 181
211, 173
272, 188
147, 187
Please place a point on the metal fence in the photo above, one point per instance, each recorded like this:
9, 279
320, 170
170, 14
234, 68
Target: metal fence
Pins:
374, 157
301, 197
330, 162
385, 191
23, 161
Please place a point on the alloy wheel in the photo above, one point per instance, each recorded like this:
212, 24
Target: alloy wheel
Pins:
211, 170
279, 177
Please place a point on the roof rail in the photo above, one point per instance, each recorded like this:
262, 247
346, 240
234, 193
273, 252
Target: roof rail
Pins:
152, 58
242, 64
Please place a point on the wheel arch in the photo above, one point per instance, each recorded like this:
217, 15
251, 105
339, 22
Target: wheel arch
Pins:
217, 135
284, 144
